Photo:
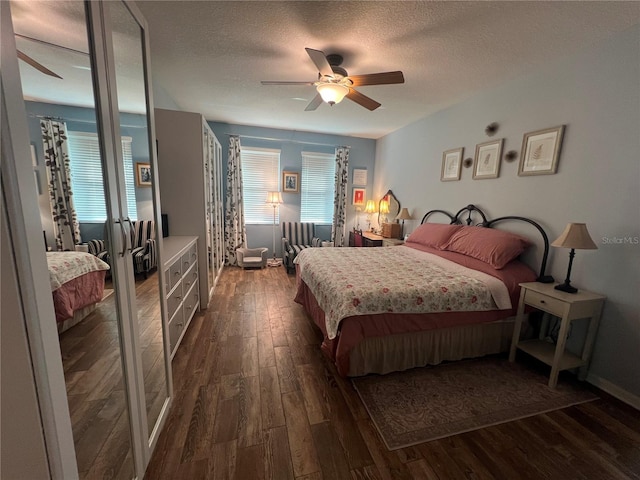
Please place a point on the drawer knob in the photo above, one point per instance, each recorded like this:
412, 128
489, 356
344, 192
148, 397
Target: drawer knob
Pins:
178, 297
176, 273
542, 301
188, 307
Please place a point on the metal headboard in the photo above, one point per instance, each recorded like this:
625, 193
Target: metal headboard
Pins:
469, 211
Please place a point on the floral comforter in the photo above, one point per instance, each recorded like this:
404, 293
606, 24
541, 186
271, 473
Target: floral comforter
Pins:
65, 266
361, 281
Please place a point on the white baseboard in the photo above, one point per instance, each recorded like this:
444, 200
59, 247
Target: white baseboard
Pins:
614, 390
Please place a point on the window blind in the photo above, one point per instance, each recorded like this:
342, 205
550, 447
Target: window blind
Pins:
260, 174
87, 179
317, 187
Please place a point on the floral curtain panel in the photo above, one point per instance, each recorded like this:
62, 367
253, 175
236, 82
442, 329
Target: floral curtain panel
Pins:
66, 228
340, 199
235, 233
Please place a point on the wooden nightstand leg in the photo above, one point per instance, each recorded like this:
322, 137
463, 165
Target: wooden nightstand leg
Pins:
517, 327
589, 341
562, 340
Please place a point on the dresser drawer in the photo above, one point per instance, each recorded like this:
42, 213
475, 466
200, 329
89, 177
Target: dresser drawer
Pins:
191, 303
173, 301
544, 302
189, 279
176, 326
175, 272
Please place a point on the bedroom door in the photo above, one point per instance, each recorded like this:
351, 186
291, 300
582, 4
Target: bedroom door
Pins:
111, 391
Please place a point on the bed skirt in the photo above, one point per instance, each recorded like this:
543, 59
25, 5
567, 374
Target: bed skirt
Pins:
78, 316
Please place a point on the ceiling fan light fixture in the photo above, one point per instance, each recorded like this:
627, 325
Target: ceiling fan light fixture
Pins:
332, 93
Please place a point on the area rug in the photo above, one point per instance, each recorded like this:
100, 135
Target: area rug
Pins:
425, 404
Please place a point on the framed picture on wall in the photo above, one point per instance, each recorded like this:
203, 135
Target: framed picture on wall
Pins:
359, 176
358, 197
451, 165
143, 174
487, 161
540, 152
290, 182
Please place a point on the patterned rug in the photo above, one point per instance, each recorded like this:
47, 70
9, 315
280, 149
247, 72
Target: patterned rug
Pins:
425, 404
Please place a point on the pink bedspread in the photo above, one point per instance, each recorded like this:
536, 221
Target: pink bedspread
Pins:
78, 293
355, 328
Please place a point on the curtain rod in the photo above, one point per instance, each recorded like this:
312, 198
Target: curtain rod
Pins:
77, 120
287, 141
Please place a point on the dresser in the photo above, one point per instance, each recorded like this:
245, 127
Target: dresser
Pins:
180, 275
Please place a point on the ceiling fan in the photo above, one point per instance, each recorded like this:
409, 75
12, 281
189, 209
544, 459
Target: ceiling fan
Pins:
334, 83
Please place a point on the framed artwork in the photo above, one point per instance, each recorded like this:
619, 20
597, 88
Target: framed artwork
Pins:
290, 182
487, 161
359, 176
358, 196
143, 174
451, 165
540, 151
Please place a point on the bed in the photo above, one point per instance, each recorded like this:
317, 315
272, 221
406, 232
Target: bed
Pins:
450, 293
77, 285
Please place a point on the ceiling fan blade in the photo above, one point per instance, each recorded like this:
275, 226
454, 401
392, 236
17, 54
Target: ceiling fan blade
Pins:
321, 62
363, 100
313, 104
38, 66
269, 82
385, 78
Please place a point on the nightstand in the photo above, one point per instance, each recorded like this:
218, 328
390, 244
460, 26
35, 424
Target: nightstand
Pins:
392, 242
567, 306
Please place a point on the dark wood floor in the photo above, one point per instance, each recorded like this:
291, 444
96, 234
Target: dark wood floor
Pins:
255, 399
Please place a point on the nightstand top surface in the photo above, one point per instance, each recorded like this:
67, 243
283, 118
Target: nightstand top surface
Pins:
549, 289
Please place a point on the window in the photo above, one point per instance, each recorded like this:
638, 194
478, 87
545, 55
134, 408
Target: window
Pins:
86, 177
260, 168
317, 187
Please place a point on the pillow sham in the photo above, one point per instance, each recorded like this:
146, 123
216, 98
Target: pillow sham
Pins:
434, 235
495, 247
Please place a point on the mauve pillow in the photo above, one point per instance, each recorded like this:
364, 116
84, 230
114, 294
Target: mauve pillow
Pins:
495, 247
434, 235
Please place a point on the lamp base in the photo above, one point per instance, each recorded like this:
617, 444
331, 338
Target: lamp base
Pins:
565, 287
274, 262
545, 279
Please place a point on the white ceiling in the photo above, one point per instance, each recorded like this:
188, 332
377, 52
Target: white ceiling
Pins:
210, 56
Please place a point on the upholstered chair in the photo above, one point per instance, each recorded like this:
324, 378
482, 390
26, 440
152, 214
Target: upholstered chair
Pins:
295, 237
252, 257
144, 248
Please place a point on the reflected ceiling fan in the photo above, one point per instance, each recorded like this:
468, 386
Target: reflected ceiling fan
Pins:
37, 65
334, 83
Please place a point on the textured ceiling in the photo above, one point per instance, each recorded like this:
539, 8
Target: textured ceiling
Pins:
210, 56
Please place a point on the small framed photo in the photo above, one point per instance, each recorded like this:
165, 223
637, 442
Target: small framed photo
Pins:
143, 174
487, 161
540, 151
290, 182
451, 165
358, 196
359, 176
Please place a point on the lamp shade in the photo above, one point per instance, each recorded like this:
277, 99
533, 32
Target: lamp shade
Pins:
274, 198
332, 93
384, 206
576, 236
370, 207
404, 215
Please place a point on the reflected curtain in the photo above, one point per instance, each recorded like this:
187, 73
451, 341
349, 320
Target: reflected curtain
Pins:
66, 228
340, 199
235, 233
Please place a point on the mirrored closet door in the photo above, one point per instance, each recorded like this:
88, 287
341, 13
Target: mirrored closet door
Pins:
84, 76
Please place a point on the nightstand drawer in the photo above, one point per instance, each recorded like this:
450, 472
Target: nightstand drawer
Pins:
544, 302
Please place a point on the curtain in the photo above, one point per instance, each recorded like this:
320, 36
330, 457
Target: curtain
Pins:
66, 228
235, 233
340, 200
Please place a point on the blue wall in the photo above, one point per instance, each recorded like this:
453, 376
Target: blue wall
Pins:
292, 144
83, 120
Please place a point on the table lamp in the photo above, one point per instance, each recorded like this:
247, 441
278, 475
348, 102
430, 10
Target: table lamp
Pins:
403, 215
274, 199
369, 208
384, 209
575, 236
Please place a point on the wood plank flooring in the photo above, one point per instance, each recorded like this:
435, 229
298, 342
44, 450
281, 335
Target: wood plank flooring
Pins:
256, 399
